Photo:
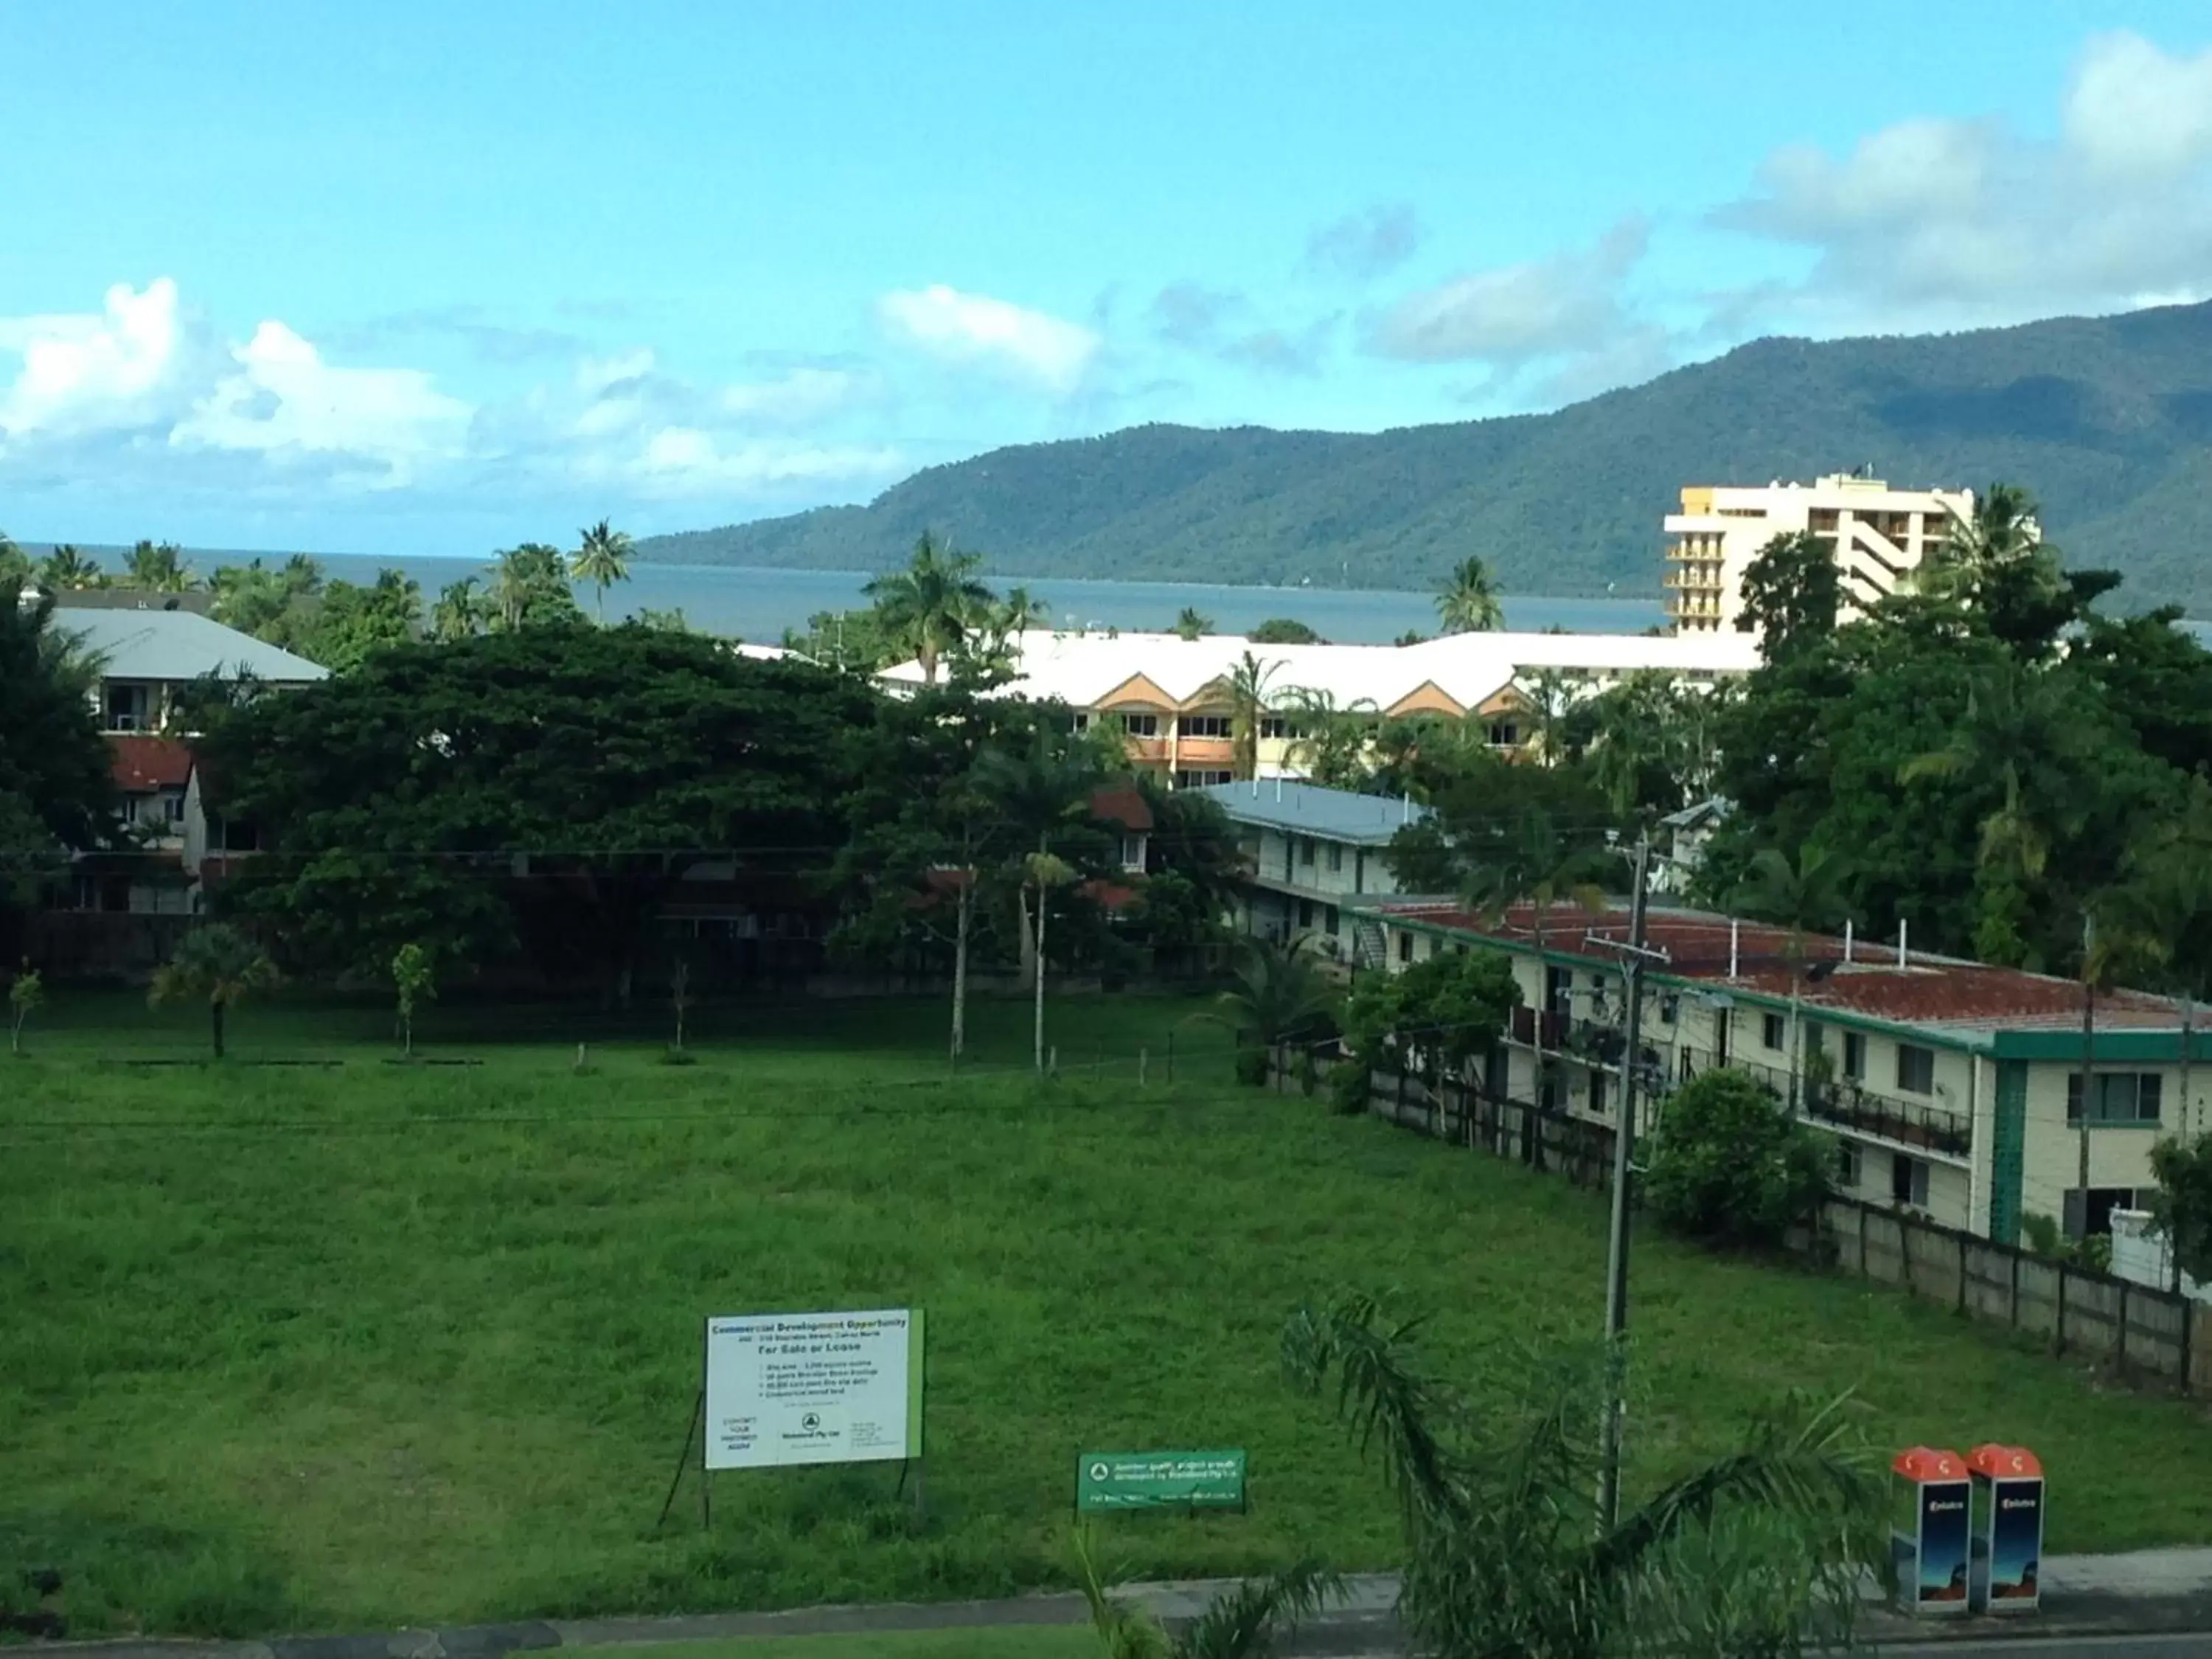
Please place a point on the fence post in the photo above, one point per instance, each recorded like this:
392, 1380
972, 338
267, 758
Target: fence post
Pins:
1863, 1227
2013, 1307
2058, 1324
2120, 1348
1961, 1241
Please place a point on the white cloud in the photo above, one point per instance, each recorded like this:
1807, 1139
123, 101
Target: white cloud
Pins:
974, 328
1934, 222
797, 398
284, 397
683, 461
104, 369
1516, 314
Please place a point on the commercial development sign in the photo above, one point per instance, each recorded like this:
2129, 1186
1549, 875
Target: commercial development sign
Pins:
828, 1387
1159, 1479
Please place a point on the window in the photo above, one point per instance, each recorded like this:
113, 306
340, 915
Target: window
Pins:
1274, 728
1305, 913
1855, 1056
1082, 720
1329, 920
1505, 734
1558, 990
1849, 1169
1204, 725
1336, 855
1597, 1094
2120, 1097
1201, 779
1772, 1031
1404, 947
1141, 726
1306, 850
126, 708
1916, 1069
1670, 1008
2089, 1212
1908, 1180
173, 809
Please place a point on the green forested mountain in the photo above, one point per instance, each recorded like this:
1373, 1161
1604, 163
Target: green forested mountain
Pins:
2108, 420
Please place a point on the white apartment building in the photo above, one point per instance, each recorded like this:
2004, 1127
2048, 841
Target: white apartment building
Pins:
1952, 1088
1877, 536
1314, 856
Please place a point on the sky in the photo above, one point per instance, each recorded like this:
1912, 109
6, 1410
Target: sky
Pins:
433, 278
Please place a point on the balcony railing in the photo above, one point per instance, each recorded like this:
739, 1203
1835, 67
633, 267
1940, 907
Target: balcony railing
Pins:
1847, 1106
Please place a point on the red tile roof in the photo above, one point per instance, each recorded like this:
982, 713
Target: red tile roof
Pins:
1123, 805
1927, 990
142, 765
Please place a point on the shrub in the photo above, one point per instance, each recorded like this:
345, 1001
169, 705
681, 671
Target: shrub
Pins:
1252, 1066
1349, 1086
1730, 1164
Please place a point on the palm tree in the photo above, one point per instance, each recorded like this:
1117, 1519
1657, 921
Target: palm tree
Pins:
1469, 602
1191, 625
2023, 734
1281, 996
69, 571
1040, 790
1333, 739
1242, 1623
15, 563
530, 587
218, 962
1248, 707
160, 568
1549, 698
602, 560
460, 612
928, 607
1507, 1555
1805, 897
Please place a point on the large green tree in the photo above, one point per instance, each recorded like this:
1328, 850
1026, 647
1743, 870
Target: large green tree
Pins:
57, 794
928, 607
550, 786
602, 558
529, 588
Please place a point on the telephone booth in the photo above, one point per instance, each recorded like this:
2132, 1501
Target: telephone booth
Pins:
2009, 1523
1931, 1537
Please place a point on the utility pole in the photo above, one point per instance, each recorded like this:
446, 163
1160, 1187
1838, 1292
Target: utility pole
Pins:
1635, 956
2088, 1059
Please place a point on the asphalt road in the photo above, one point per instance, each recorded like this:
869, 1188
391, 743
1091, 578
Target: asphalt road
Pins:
2026, 1646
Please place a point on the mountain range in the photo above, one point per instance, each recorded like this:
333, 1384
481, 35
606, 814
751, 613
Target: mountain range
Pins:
2108, 420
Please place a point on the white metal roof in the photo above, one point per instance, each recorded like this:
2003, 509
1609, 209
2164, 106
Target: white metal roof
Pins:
1084, 669
177, 644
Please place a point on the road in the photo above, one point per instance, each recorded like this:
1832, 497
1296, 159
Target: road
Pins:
2028, 1646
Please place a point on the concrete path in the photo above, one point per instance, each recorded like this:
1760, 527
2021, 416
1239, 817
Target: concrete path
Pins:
2094, 1601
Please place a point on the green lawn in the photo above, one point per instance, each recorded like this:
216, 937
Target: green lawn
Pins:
354, 1347
1027, 1642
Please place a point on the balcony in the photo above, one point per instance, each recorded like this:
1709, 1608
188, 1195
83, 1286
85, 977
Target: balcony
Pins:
1849, 1106
1693, 578
1206, 751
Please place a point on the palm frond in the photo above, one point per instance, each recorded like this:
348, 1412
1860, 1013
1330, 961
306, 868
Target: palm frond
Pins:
1387, 1405
1244, 1623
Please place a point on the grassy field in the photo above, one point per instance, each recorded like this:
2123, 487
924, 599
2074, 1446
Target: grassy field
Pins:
1028, 1642
298, 1346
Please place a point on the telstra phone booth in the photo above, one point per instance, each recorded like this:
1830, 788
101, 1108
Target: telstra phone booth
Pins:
1931, 1537
2009, 1523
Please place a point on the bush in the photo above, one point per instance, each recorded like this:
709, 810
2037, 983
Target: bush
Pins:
1729, 1165
1252, 1067
1349, 1086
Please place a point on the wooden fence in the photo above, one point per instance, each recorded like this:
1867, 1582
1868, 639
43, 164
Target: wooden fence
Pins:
2146, 1334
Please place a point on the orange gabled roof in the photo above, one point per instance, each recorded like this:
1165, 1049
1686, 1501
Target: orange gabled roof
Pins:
1137, 688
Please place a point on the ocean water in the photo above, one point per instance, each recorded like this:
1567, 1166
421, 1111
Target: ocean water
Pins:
757, 604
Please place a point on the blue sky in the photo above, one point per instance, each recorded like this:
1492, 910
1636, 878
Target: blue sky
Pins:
432, 278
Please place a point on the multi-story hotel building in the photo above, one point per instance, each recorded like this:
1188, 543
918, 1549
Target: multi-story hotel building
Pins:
1877, 536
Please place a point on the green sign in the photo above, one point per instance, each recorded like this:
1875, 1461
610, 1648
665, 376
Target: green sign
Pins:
1159, 1479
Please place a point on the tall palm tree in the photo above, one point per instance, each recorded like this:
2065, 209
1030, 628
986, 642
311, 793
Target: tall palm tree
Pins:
460, 612
1248, 707
1040, 790
928, 607
1806, 897
1507, 1555
1469, 602
530, 587
68, 570
218, 962
159, 567
602, 559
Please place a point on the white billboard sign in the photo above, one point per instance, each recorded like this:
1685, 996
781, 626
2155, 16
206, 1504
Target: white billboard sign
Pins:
825, 1387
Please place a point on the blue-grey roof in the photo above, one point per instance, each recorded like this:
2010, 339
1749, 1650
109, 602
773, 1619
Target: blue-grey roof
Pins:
1308, 809
176, 645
